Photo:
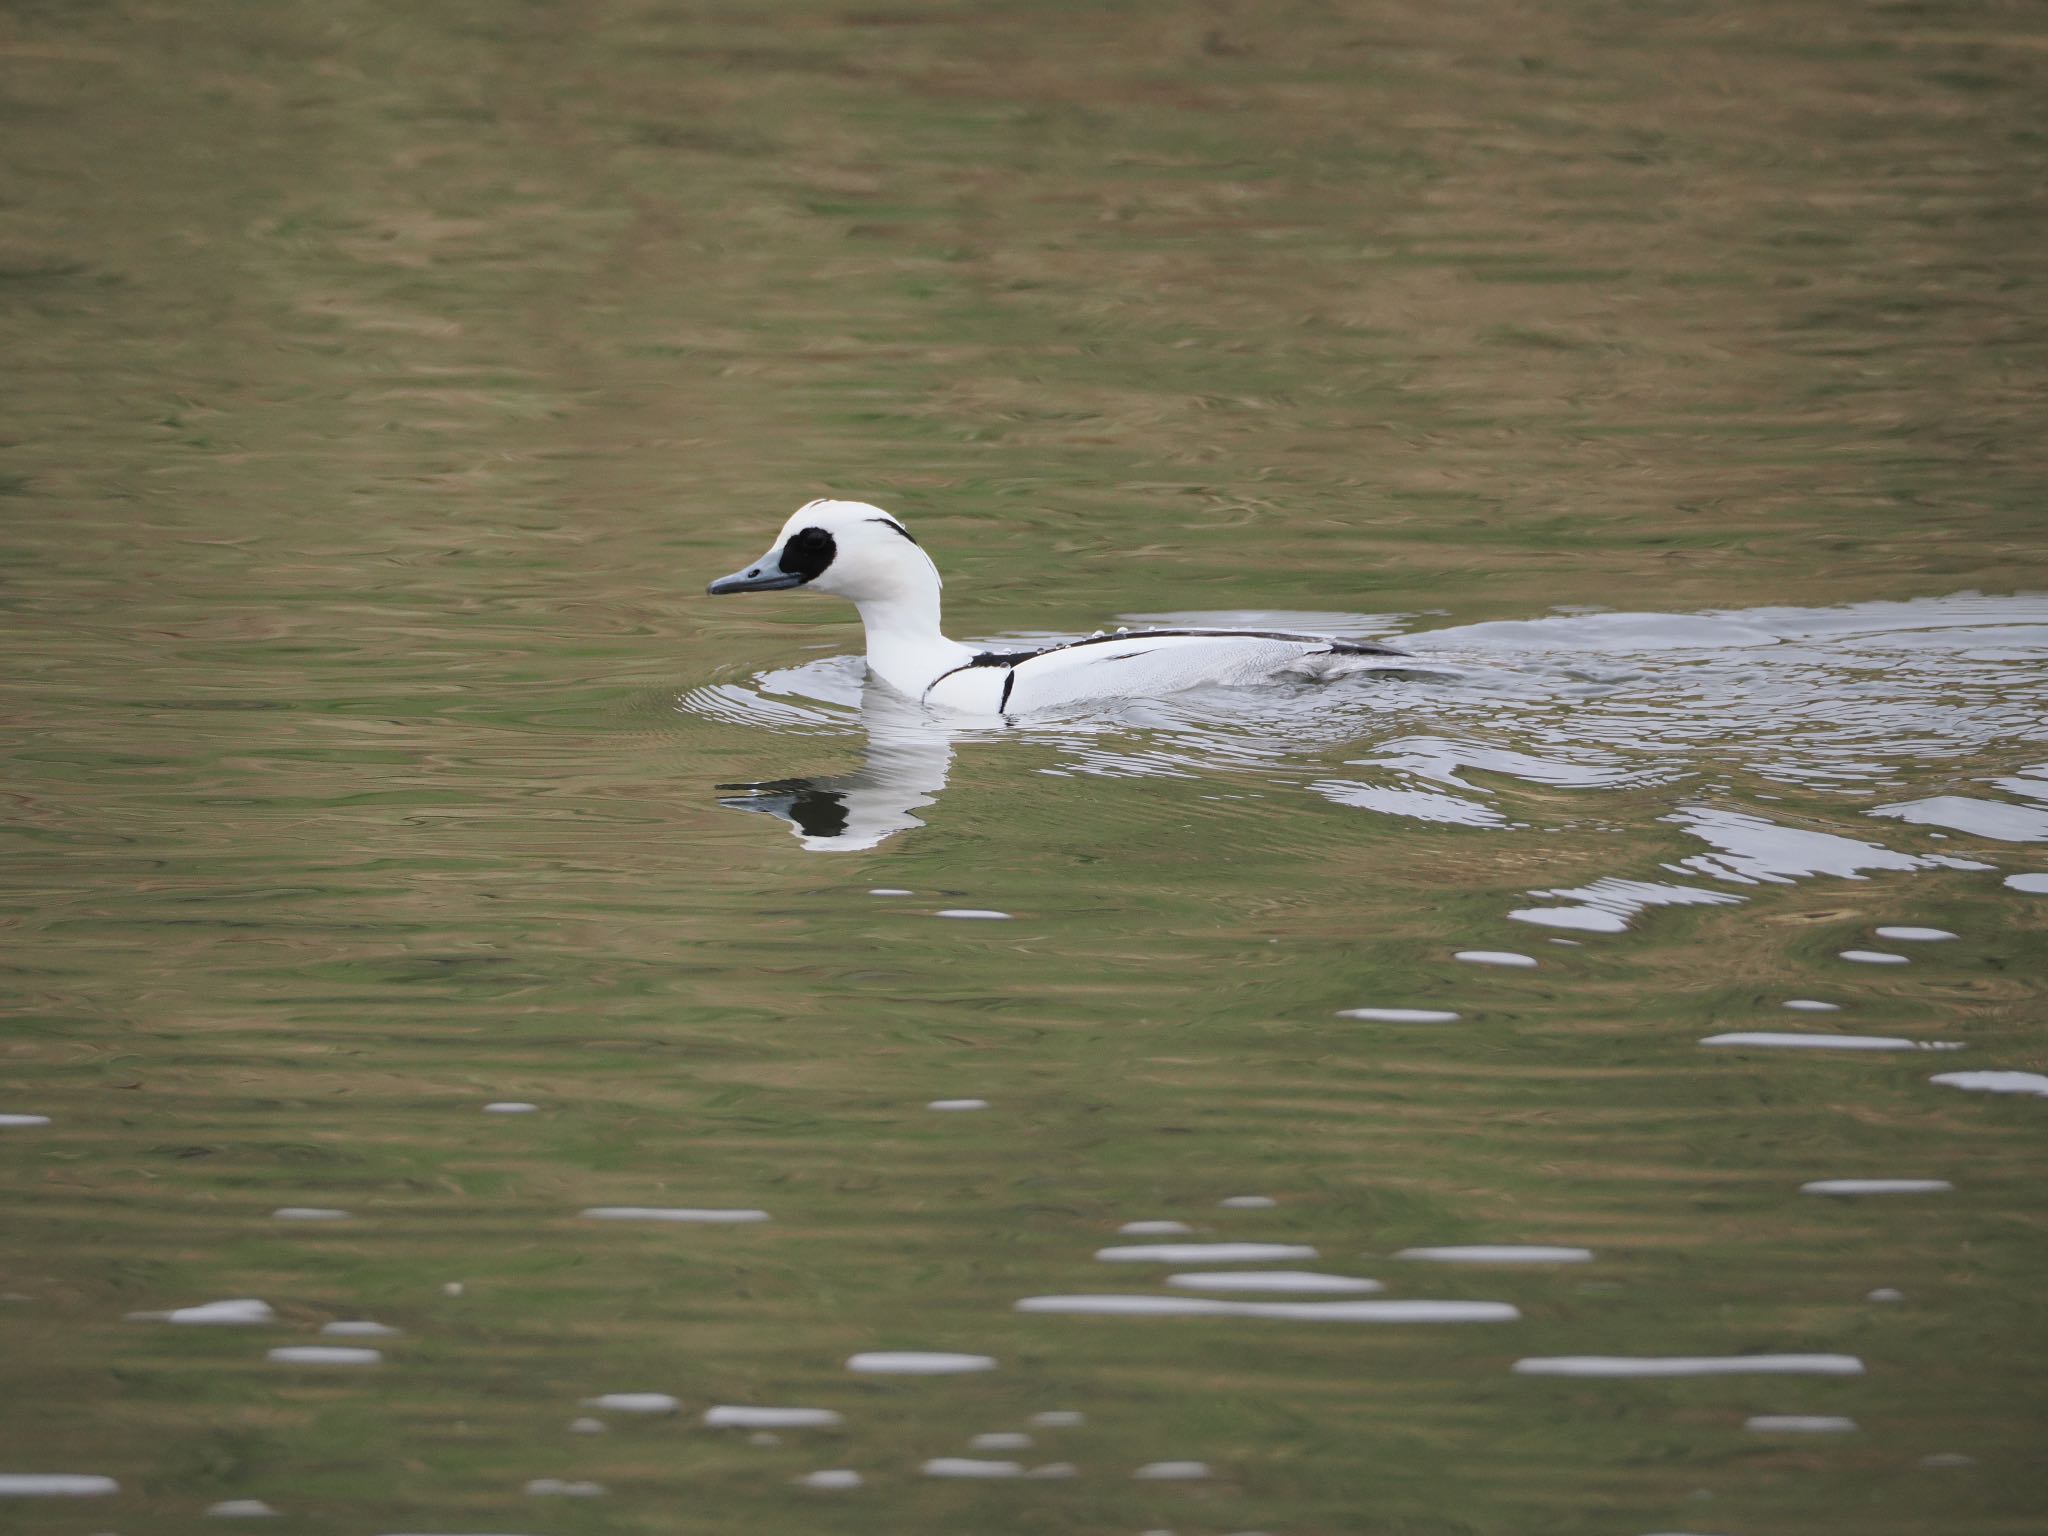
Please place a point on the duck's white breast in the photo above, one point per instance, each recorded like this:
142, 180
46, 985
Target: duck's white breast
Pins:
974, 690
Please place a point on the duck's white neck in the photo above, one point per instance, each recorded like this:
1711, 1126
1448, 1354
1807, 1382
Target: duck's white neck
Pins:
905, 647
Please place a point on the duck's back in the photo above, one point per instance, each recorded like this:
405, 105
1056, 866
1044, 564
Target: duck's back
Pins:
1141, 664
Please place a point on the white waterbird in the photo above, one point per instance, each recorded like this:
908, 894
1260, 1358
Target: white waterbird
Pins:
860, 552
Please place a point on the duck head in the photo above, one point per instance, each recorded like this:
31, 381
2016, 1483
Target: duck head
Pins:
848, 548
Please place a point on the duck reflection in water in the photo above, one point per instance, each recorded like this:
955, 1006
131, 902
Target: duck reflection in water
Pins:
908, 756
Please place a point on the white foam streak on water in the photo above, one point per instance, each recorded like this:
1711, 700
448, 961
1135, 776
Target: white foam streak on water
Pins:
308, 1213
358, 1329
1689, 1365
1000, 1440
633, 1402
1173, 1471
322, 1354
768, 704
2032, 883
23, 1120
1584, 919
1415, 804
55, 1485
1480, 1253
1811, 1005
2029, 782
1203, 1253
1399, 1015
1876, 1187
967, 1466
1751, 850
957, 1106
1287, 1311
1441, 759
831, 1478
1874, 957
243, 1312
1994, 819
2030, 1083
684, 1214
1154, 1229
1905, 935
918, 1362
240, 1509
1775, 1040
1606, 905
1501, 957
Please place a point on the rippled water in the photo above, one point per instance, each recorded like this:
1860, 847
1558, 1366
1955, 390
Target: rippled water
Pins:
1585, 1077
1847, 701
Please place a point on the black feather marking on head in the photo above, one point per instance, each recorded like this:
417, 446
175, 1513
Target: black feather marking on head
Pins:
1008, 683
891, 523
807, 553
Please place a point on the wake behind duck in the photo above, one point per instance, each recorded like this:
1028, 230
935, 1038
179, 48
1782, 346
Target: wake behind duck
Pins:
860, 552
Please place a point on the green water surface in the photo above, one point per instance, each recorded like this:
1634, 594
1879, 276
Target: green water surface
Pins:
382, 382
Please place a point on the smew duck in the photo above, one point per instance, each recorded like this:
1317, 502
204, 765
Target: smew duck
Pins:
858, 551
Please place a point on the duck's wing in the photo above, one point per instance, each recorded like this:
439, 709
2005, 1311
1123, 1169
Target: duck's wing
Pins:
1138, 664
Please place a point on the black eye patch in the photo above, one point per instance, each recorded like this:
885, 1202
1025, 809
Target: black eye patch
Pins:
807, 553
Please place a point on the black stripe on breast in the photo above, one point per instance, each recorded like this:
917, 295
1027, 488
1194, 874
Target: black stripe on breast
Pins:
989, 659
